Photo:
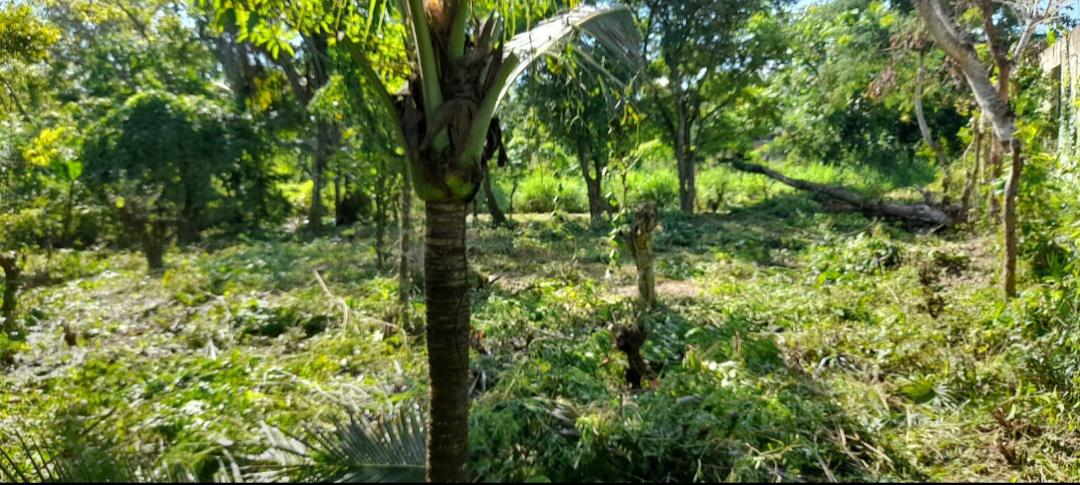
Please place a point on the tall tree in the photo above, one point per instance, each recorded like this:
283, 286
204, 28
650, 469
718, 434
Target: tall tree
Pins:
583, 110
153, 160
703, 55
443, 122
994, 100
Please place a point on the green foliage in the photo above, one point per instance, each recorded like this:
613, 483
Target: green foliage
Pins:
257, 317
865, 253
23, 37
709, 63
660, 188
388, 448
76, 453
540, 192
157, 158
845, 94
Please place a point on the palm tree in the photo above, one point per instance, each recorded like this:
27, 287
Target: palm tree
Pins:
444, 120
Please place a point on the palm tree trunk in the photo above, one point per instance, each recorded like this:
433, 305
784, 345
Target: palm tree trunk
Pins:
642, 249
447, 294
1012, 187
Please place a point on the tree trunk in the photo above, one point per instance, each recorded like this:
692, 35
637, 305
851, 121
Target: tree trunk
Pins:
69, 210
381, 201
187, 230
323, 149
987, 96
993, 204
639, 242
9, 262
920, 213
404, 280
337, 196
154, 245
597, 204
973, 175
685, 159
1012, 188
447, 295
498, 217
928, 138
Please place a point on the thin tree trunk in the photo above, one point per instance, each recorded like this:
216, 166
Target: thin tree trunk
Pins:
323, 141
498, 217
993, 204
639, 241
9, 262
337, 195
973, 175
380, 230
404, 280
69, 209
1012, 188
154, 245
447, 294
592, 184
685, 159
924, 128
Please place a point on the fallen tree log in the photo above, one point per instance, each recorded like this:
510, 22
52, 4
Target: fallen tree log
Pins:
926, 213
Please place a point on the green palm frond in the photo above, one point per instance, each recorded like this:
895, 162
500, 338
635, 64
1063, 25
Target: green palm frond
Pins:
610, 28
385, 448
56, 460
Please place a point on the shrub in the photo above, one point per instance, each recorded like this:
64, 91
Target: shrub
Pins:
541, 192
660, 187
714, 187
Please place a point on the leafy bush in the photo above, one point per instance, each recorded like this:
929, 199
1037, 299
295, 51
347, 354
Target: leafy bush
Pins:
863, 254
714, 187
541, 192
660, 187
260, 318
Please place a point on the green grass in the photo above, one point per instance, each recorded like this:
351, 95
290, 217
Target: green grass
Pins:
791, 344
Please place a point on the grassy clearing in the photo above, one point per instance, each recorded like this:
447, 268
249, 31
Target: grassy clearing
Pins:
792, 344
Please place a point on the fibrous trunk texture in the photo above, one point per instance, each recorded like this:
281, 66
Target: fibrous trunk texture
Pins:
447, 294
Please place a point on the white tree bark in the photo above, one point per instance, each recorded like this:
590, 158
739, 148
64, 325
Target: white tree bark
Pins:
944, 31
